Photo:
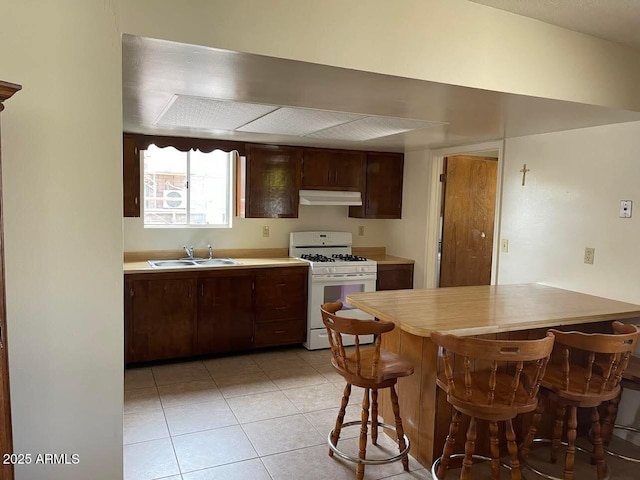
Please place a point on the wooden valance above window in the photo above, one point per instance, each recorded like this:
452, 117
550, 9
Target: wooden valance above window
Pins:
184, 144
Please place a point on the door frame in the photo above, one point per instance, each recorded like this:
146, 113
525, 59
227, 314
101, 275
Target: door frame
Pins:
434, 208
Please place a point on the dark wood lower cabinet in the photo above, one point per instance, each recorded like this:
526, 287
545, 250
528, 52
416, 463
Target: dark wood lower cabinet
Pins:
225, 313
163, 317
182, 314
394, 277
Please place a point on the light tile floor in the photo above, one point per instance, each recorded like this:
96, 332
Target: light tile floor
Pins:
258, 416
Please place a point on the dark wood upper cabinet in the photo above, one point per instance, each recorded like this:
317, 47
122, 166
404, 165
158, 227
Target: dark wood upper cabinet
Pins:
225, 313
269, 182
324, 169
130, 177
383, 187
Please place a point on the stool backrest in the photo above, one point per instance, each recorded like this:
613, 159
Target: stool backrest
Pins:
503, 356
338, 326
610, 352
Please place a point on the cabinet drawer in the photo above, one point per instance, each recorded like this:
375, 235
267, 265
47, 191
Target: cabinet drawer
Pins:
285, 311
269, 334
278, 290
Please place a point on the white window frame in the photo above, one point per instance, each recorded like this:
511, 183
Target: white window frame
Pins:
231, 207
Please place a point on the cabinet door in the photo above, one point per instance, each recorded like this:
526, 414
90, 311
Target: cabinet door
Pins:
130, 177
324, 169
225, 313
272, 182
383, 190
348, 171
162, 316
394, 277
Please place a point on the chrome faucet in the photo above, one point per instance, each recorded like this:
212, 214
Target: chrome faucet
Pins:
210, 251
189, 251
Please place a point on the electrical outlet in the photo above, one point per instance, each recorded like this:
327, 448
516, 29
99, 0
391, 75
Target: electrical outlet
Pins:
625, 208
265, 231
504, 246
361, 231
589, 254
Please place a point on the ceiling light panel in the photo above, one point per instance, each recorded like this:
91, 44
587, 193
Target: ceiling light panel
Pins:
372, 127
298, 121
208, 113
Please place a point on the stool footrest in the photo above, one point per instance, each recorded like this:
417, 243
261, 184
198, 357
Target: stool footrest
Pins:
369, 461
547, 441
619, 455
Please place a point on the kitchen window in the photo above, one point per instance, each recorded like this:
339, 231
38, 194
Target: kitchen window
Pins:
187, 189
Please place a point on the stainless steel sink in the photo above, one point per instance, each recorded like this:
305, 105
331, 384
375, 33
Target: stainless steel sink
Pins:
201, 262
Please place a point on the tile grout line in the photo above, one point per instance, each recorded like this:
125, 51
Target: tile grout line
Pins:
173, 447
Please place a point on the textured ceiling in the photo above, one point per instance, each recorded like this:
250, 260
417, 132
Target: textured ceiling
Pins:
615, 20
157, 73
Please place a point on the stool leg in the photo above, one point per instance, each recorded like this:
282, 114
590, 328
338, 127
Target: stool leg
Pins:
610, 419
335, 435
363, 434
531, 434
557, 433
572, 424
447, 451
469, 448
374, 416
513, 451
495, 450
598, 450
399, 430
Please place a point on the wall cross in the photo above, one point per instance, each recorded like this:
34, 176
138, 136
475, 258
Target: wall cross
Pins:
524, 171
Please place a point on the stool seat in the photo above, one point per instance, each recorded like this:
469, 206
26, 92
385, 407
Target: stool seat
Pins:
390, 367
577, 392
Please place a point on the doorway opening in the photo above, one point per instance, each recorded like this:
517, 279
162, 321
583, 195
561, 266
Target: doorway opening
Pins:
463, 222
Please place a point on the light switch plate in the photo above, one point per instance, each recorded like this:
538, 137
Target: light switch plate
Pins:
625, 208
265, 231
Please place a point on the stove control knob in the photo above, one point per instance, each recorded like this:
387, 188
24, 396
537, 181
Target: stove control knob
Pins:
362, 269
332, 270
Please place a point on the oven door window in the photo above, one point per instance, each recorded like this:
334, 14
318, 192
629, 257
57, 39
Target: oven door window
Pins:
333, 293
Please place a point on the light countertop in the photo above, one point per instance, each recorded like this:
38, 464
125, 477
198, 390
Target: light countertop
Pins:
142, 266
489, 309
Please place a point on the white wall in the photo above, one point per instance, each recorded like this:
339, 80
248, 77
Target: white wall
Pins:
408, 236
247, 232
61, 154
571, 200
448, 41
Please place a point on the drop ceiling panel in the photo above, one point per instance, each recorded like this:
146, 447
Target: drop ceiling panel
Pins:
198, 112
372, 127
297, 121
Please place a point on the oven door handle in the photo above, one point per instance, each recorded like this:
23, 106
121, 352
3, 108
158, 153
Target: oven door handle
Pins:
337, 277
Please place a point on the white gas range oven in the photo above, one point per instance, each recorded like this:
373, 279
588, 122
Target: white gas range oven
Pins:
333, 274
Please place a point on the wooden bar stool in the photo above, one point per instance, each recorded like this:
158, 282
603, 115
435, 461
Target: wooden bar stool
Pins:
630, 380
572, 383
371, 368
495, 394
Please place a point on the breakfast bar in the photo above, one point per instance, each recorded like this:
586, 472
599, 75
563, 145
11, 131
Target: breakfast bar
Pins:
493, 311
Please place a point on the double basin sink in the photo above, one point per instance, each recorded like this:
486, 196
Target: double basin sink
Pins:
195, 262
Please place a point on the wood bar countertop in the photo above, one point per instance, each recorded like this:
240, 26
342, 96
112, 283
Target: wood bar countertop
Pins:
496, 312
489, 308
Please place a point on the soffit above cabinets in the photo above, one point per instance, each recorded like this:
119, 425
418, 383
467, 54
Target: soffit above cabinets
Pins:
185, 90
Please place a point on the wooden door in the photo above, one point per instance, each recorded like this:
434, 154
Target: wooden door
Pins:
163, 314
272, 182
316, 169
130, 177
225, 313
6, 437
327, 169
348, 171
468, 219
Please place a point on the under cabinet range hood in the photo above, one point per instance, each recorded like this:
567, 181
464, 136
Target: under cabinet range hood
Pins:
330, 197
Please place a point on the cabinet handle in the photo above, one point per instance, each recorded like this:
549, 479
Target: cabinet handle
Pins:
135, 200
281, 284
281, 308
202, 290
279, 331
